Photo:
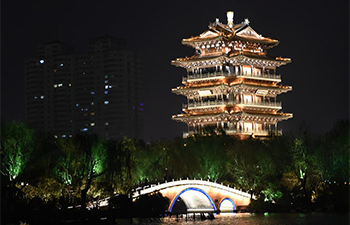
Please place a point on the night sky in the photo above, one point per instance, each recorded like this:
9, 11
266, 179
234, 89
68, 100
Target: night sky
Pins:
315, 34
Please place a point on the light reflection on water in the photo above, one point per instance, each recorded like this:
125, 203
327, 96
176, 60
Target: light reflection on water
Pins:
260, 219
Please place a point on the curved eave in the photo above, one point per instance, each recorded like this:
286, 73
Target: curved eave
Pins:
182, 89
240, 56
263, 40
241, 115
198, 39
181, 62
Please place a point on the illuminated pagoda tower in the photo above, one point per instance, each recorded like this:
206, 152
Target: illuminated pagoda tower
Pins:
231, 84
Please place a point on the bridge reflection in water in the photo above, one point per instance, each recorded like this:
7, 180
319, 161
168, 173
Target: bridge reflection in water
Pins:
191, 196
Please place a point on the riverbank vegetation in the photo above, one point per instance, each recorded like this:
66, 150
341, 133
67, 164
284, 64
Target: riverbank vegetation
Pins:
291, 172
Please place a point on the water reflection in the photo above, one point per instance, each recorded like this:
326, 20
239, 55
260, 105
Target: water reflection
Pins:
255, 219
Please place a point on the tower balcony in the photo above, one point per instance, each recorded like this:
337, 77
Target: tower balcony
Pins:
253, 133
218, 103
219, 75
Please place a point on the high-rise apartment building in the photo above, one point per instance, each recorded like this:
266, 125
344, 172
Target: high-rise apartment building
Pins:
97, 91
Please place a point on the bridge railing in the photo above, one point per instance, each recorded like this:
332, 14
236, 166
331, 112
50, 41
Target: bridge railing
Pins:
154, 187
167, 184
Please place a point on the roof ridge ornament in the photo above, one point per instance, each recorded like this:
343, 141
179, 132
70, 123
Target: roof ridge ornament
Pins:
230, 18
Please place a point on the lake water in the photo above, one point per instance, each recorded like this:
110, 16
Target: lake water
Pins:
260, 219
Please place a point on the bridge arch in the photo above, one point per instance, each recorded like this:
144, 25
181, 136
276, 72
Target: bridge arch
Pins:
227, 205
185, 200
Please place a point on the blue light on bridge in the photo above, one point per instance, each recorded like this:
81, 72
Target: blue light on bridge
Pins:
227, 205
193, 189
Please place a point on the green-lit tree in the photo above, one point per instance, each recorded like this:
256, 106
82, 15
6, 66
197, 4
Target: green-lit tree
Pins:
210, 156
303, 164
150, 161
17, 145
128, 169
333, 154
94, 155
244, 164
82, 161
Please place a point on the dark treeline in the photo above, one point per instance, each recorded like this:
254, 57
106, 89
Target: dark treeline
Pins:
292, 172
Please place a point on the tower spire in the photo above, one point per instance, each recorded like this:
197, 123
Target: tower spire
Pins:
230, 18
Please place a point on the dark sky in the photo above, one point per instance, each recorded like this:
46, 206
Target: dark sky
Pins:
315, 34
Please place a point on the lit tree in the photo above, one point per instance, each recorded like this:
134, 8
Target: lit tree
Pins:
210, 153
94, 153
83, 159
302, 162
17, 144
128, 174
333, 155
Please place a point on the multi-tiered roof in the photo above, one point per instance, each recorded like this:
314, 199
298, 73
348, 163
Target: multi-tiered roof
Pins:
231, 83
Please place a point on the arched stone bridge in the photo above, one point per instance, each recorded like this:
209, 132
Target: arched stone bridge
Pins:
198, 195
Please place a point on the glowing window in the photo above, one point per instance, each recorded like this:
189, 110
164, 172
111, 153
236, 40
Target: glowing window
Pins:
247, 98
92, 124
42, 97
106, 102
92, 92
61, 64
248, 127
77, 104
247, 70
42, 61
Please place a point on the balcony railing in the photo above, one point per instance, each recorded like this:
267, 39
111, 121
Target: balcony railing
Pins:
216, 75
242, 132
255, 132
230, 102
